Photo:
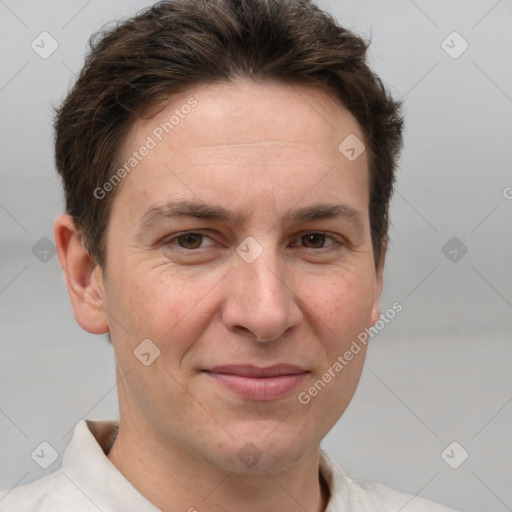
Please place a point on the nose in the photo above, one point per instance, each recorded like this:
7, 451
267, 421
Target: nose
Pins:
259, 301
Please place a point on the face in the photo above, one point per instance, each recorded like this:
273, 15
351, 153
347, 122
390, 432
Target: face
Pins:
240, 246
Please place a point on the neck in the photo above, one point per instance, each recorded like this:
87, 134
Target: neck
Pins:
172, 478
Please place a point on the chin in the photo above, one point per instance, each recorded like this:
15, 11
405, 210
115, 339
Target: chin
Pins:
253, 454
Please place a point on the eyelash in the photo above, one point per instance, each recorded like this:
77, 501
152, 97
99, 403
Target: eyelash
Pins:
169, 241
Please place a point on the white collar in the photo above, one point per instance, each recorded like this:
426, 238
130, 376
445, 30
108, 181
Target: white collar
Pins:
85, 463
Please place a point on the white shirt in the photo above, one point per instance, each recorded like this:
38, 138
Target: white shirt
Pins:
87, 482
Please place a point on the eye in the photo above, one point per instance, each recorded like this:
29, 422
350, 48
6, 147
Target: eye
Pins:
188, 240
317, 240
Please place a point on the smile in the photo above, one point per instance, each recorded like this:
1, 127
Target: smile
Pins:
261, 384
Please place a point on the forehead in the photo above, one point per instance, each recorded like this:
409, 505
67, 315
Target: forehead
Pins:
248, 116
233, 136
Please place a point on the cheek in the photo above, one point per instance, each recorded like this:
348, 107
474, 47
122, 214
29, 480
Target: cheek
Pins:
162, 305
343, 303
341, 309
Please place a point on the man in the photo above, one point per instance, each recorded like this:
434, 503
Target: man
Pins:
228, 168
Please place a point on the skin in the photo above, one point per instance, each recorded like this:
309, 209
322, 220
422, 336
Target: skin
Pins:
261, 149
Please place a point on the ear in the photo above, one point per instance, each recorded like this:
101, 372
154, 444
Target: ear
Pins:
84, 278
379, 275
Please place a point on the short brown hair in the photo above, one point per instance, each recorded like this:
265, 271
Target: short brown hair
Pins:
177, 44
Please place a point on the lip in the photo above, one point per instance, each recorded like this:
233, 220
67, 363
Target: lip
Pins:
257, 383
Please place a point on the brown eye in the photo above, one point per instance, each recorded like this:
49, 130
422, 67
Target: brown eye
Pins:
314, 240
190, 240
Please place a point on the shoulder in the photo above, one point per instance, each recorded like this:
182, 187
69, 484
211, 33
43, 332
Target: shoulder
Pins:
380, 497
52, 493
358, 495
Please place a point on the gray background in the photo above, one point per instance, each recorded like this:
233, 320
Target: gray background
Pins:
441, 371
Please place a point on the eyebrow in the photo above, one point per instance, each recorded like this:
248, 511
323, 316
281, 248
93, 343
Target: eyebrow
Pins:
199, 210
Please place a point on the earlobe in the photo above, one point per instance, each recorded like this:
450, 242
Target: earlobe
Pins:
376, 312
83, 277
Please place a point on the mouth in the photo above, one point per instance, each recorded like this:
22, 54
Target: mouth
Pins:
260, 384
